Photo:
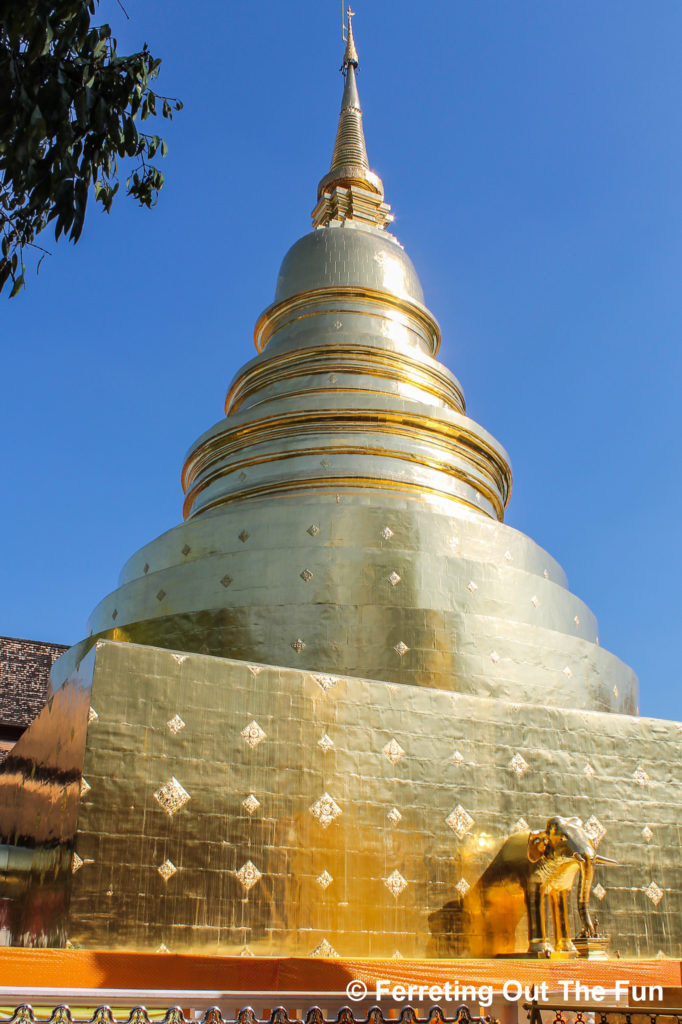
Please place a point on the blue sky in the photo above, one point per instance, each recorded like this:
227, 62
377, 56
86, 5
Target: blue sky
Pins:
531, 152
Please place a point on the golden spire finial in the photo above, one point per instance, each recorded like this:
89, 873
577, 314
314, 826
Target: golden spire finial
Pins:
351, 54
350, 191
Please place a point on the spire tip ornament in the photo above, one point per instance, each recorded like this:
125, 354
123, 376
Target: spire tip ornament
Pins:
351, 54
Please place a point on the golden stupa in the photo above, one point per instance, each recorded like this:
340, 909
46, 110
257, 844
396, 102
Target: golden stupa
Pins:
312, 714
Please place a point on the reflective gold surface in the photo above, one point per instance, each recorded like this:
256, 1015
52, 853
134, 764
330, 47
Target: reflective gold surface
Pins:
234, 805
40, 788
480, 608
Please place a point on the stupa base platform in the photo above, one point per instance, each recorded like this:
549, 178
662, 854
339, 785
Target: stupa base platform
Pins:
181, 802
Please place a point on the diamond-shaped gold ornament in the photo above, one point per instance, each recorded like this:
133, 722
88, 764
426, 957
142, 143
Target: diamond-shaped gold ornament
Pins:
393, 751
325, 682
460, 821
171, 796
595, 829
395, 883
518, 765
325, 810
248, 875
251, 804
394, 816
253, 734
324, 880
167, 869
175, 725
462, 887
325, 949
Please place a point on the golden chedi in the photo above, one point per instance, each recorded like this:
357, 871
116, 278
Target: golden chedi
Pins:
346, 513
311, 716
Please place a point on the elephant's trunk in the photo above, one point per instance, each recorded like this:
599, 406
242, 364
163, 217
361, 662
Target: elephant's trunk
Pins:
586, 876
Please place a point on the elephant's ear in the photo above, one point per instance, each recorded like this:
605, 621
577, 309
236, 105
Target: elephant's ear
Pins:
537, 844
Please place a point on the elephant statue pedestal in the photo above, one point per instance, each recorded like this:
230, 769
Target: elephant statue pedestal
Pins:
592, 947
548, 953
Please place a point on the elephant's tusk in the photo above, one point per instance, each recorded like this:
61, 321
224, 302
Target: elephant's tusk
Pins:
598, 859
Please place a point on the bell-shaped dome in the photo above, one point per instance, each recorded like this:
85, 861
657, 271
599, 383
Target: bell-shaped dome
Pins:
365, 258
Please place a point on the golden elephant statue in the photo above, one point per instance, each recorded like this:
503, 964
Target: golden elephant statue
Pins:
531, 869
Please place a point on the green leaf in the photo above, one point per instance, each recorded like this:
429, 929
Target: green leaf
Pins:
18, 285
130, 136
67, 104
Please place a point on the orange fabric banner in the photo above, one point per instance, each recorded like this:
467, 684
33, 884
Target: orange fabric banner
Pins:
79, 968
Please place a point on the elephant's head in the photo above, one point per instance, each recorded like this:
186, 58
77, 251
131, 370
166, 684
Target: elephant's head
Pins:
565, 840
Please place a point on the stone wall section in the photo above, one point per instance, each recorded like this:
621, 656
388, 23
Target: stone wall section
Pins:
24, 678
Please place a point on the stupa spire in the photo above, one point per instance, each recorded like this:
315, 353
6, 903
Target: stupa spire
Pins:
350, 190
350, 147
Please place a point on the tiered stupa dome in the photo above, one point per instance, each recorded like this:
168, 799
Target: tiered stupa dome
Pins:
345, 516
